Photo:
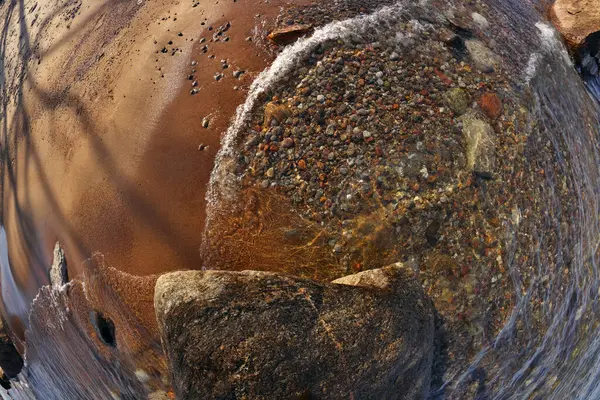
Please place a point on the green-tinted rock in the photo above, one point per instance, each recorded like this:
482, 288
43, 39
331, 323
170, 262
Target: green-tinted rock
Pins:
480, 143
458, 100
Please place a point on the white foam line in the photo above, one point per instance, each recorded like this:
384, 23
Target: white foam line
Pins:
223, 182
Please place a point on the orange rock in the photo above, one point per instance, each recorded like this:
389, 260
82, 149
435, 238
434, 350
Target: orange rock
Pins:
302, 164
274, 111
289, 34
576, 19
491, 105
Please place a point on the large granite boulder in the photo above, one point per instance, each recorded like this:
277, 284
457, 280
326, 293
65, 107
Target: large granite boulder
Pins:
260, 335
579, 23
576, 19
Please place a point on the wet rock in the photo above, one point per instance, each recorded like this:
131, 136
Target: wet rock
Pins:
58, 269
289, 34
432, 232
480, 146
10, 360
276, 112
576, 19
483, 58
159, 395
480, 20
264, 335
490, 104
460, 21
458, 100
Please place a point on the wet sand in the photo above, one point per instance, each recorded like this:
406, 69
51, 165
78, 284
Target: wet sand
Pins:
102, 137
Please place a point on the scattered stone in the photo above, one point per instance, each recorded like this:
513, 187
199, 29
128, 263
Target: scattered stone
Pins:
194, 91
235, 333
460, 21
490, 103
483, 58
238, 73
159, 395
480, 146
480, 20
205, 122
287, 143
289, 34
457, 100
276, 112
142, 375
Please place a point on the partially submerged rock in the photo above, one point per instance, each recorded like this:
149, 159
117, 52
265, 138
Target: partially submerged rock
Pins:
491, 104
480, 143
457, 100
264, 335
576, 19
483, 58
277, 112
58, 270
289, 34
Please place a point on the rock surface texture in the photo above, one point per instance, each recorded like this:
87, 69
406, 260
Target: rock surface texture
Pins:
262, 335
576, 19
58, 269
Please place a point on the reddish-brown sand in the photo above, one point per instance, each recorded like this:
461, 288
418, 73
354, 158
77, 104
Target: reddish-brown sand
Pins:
102, 136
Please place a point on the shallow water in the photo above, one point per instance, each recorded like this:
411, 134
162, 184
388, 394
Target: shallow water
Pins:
549, 346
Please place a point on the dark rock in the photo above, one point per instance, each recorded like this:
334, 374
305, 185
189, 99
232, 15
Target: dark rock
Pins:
289, 34
10, 360
264, 335
432, 232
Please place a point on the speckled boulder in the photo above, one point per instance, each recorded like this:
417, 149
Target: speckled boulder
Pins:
259, 335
